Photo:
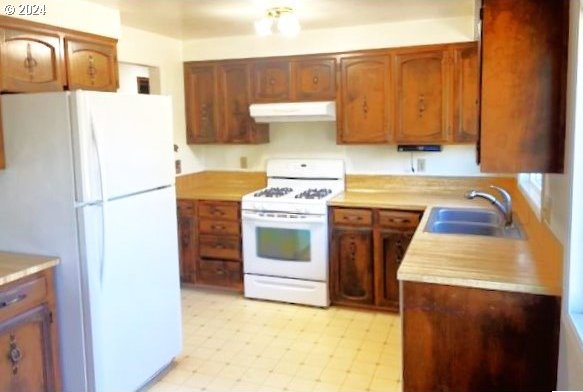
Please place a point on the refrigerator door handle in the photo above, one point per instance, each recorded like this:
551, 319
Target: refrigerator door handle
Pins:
99, 151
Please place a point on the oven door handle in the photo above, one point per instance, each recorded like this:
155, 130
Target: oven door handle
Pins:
308, 219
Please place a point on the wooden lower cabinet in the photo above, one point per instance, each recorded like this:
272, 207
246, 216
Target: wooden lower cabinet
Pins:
28, 344
210, 243
366, 249
471, 340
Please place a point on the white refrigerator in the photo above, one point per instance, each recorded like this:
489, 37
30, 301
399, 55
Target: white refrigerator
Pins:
90, 179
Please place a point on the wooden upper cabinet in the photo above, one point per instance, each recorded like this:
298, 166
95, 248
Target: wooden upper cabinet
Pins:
364, 104
91, 64
271, 81
30, 60
421, 96
524, 60
236, 124
466, 94
201, 103
314, 79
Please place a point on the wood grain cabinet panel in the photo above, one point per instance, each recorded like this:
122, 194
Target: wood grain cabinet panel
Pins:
352, 267
91, 64
524, 62
187, 239
28, 335
314, 79
30, 60
236, 124
470, 340
210, 233
366, 248
466, 94
421, 97
364, 115
202, 111
271, 81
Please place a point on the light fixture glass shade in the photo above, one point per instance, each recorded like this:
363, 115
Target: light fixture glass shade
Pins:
288, 24
263, 27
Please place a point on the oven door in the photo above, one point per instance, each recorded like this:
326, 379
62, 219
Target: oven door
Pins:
285, 245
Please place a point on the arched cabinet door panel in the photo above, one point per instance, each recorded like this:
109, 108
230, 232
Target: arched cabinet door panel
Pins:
91, 65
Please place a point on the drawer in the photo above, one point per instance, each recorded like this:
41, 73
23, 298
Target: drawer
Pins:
219, 247
185, 207
399, 219
218, 210
356, 217
18, 297
220, 273
208, 226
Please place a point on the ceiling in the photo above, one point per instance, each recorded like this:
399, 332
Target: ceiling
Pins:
194, 19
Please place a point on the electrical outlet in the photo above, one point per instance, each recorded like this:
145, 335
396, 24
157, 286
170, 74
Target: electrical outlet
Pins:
420, 165
243, 162
178, 164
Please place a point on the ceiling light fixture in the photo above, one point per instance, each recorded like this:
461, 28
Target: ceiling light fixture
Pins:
283, 17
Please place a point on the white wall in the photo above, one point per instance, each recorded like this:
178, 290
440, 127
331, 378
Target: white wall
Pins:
566, 191
78, 15
128, 77
165, 55
384, 35
318, 139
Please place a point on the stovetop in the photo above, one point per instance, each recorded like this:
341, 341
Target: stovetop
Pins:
297, 186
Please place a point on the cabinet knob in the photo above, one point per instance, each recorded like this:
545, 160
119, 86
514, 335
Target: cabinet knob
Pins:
271, 81
421, 105
315, 80
91, 69
29, 62
365, 107
14, 355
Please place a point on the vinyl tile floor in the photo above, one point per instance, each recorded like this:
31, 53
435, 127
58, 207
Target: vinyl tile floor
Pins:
235, 344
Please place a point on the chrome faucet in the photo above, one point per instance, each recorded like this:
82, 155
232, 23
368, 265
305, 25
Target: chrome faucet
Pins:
505, 207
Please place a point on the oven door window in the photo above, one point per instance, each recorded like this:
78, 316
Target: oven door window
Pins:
283, 244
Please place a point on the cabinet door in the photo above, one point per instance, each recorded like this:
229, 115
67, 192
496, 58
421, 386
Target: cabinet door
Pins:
392, 247
187, 238
314, 79
421, 97
2, 156
200, 83
364, 100
237, 126
352, 266
91, 65
27, 362
524, 68
466, 85
272, 81
30, 61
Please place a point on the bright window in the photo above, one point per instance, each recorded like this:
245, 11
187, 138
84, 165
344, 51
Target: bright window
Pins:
531, 185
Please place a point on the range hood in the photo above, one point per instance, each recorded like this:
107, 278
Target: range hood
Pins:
293, 111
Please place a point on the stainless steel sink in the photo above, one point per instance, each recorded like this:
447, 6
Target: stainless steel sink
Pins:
472, 221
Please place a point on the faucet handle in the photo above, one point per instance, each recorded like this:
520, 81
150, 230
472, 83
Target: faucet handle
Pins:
470, 194
504, 193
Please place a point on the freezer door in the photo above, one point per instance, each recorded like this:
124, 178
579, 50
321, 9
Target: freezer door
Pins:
131, 288
123, 144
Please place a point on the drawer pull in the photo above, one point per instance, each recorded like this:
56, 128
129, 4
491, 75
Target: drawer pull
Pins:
12, 301
217, 227
399, 220
220, 272
351, 218
215, 211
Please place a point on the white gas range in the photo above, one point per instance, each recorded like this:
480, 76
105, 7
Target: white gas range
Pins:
285, 231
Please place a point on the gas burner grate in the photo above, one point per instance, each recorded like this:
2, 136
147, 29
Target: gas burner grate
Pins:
314, 193
273, 192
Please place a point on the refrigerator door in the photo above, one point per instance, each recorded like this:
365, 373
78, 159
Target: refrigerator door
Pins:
123, 144
130, 269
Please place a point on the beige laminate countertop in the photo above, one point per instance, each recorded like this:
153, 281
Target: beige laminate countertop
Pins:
14, 266
529, 266
225, 186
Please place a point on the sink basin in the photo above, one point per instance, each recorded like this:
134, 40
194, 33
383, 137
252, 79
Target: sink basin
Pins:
472, 221
468, 215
